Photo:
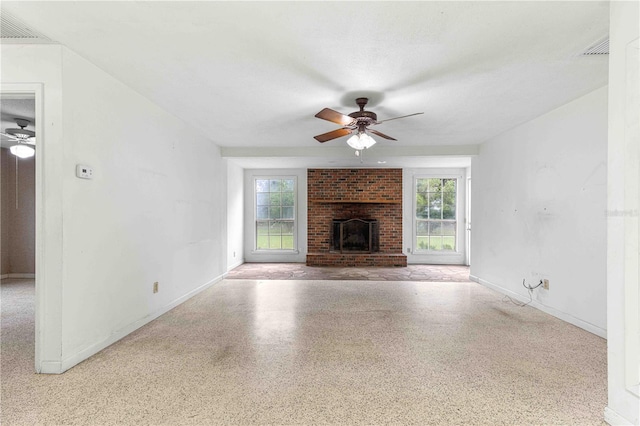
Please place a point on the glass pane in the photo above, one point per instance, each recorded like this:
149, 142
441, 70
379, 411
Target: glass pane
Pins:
435, 185
422, 185
421, 206
274, 198
262, 239
449, 212
287, 242
448, 228
262, 212
422, 228
287, 185
287, 228
423, 243
275, 228
435, 228
449, 198
435, 243
263, 242
449, 205
262, 198
449, 185
275, 213
262, 185
262, 227
275, 242
287, 212
287, 198
449, 243
274, 185
435, 206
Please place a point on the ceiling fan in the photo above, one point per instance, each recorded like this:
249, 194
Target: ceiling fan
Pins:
25, 139
357, 122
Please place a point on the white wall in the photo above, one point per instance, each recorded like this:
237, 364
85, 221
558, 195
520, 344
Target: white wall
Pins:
153, 212
235, 215
408, 213
250, 254
623, 270
539, 201
40, 66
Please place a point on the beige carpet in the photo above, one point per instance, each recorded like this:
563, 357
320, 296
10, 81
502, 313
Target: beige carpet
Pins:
318, 352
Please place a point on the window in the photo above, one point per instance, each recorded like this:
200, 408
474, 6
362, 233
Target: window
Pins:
435, 218
275, 213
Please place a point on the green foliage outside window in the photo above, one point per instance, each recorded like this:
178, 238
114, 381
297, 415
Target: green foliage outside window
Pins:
275, 214
436, 214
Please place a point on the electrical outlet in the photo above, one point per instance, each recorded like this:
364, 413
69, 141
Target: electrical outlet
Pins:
155, 287
545, 284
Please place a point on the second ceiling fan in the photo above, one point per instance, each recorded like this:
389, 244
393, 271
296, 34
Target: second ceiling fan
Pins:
356, 123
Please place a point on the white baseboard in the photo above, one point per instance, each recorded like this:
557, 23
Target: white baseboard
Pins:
598, 331
235, 265
614, 418
93, 349
50, 367
30, 276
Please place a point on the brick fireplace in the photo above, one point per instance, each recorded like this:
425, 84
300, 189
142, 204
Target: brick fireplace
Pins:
367, 195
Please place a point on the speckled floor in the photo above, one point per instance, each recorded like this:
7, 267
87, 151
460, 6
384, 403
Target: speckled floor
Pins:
318, 352
300, 271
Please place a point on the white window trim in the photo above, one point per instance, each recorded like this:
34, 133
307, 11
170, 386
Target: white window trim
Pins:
459, 216
295, 249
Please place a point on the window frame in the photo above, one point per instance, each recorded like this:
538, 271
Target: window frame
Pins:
416, 248
294, 221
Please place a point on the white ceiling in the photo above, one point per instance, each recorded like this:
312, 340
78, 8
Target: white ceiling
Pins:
253, 74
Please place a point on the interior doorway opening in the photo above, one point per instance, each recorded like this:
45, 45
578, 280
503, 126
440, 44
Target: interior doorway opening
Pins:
20, 195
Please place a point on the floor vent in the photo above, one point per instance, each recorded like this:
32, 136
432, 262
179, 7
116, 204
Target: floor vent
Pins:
600, 48
14, 31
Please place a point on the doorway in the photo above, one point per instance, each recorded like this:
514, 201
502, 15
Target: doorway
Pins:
468, 221
20, 196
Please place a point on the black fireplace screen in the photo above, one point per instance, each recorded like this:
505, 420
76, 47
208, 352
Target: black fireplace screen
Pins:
355, 236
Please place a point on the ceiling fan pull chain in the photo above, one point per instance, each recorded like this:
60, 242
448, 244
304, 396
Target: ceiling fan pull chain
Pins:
16, 183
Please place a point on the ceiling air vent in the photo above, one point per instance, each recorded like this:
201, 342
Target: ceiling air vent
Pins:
12, 30
600, 48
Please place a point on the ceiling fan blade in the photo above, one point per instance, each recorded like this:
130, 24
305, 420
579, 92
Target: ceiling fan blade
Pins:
382, 135
332, 135
395, 118
335, 117
7, 135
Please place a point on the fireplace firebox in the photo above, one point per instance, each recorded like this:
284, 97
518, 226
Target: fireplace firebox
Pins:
355, 236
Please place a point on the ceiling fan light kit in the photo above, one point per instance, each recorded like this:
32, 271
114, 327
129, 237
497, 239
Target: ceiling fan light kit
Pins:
22, 150
361, 141
357, 121
23, 137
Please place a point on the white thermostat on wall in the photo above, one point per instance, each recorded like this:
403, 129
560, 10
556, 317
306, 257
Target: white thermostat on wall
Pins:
84, 172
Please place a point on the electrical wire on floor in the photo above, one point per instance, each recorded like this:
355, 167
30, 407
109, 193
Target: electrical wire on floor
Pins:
529, 289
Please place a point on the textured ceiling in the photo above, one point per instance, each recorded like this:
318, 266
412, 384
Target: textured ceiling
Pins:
253, 74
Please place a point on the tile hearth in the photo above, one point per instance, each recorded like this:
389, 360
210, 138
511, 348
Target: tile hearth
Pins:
299, 271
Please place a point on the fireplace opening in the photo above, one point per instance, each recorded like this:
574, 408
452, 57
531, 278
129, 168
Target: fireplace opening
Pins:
355, 236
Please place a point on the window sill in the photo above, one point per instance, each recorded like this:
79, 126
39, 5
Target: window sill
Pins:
435, 253
261, 252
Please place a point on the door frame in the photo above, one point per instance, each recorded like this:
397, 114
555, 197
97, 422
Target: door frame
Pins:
36, 90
